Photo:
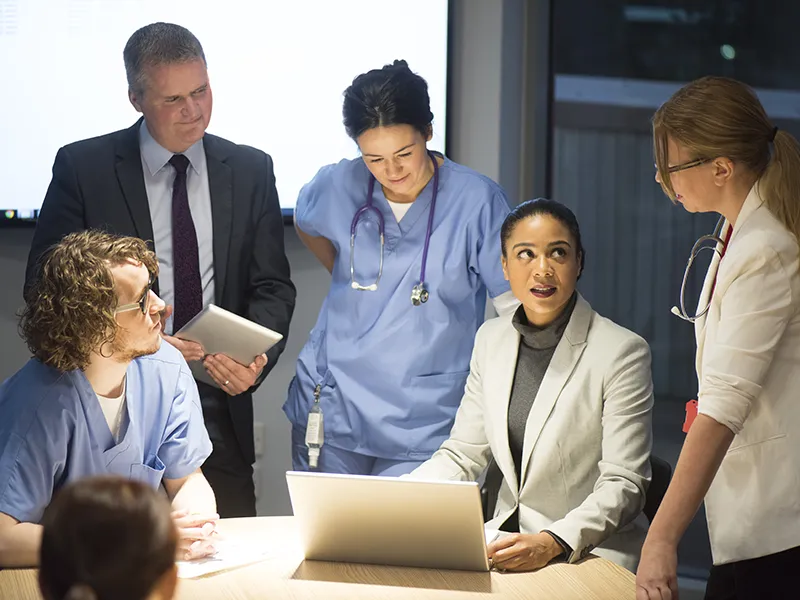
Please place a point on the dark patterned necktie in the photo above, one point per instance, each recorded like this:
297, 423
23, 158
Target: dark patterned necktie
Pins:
185, 262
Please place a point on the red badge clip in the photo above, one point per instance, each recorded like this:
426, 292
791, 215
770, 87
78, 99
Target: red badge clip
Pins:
691, 415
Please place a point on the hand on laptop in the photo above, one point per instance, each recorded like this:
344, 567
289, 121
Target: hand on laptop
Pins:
522, 551
231, 376
196, 534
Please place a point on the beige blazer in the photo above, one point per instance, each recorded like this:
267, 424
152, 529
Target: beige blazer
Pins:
585, 461
748, 369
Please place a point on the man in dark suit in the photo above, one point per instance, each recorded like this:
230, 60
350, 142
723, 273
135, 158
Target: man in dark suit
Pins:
210, 209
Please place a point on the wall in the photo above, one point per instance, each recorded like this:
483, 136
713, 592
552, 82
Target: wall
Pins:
14, 245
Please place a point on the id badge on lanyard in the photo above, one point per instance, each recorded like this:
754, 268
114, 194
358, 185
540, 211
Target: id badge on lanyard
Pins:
314, 430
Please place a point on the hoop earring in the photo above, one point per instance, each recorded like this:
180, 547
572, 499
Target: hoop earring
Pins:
107, 342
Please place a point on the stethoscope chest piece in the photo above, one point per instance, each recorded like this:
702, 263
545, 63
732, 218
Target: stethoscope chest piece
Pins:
419, 295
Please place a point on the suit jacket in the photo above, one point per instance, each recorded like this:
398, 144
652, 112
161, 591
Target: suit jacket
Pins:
748, 368
99, 183
585, 459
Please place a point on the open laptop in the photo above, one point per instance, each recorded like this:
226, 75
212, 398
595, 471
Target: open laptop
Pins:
389, 521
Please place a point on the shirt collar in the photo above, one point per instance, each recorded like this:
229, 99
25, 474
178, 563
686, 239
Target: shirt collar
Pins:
156, 156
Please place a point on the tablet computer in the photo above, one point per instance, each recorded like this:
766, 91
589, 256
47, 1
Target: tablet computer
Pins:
221, 331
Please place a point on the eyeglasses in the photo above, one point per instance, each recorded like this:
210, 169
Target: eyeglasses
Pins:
143, 303
687, 165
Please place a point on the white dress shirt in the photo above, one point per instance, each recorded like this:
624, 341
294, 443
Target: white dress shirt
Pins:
159, 176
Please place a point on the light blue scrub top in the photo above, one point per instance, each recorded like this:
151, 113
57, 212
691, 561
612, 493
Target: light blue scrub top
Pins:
53, 431
393, 374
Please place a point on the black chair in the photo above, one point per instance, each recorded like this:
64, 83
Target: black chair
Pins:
490, 489
661, 476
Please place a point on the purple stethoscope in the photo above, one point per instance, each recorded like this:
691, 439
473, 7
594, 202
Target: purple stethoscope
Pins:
419, 295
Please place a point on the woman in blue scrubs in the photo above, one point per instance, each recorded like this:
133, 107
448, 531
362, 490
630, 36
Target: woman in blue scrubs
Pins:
411, 241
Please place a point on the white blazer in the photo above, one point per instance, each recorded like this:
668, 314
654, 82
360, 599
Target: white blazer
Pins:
748, 369
585, 460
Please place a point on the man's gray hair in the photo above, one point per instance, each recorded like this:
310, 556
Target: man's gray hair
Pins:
155, 45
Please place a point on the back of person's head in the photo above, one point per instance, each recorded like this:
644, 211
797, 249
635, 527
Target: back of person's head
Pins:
538, 207
717, 117
155, 45
70, 307
393, 95
108, 538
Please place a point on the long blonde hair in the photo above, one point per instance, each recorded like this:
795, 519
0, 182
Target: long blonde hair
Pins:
717, 116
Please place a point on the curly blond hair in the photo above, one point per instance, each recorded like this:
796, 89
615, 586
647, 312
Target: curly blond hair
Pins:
70, 311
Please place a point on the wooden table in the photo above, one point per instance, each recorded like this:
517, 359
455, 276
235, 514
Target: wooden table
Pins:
284, 574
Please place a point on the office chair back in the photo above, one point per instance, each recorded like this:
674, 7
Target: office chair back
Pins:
662, 474
490, 489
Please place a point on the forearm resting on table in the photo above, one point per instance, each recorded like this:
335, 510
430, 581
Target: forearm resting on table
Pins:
193, 493
320, 247
19, 543
703, 451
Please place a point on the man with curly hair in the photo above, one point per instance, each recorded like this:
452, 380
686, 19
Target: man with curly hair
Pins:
103, 394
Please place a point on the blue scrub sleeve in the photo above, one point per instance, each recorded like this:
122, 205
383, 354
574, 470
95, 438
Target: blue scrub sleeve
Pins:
310, 212
31, 462
486, 253
186, 445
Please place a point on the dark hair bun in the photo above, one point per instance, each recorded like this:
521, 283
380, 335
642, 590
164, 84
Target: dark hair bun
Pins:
391, 95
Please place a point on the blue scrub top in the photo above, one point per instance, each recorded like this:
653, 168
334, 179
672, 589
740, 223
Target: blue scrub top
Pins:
53, 431
393, 374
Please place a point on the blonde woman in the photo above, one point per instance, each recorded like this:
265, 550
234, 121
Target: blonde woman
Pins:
717, 151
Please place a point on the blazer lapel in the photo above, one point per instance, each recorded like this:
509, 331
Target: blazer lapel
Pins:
500, 378
563, 363
751, 203
220, 185
131, 181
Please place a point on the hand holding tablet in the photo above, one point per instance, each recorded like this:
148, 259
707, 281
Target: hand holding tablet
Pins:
221, 332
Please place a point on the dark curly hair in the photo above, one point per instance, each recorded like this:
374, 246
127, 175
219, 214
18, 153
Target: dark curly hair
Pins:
70, 307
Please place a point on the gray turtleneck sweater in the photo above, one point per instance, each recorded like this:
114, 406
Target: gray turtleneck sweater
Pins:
536, 348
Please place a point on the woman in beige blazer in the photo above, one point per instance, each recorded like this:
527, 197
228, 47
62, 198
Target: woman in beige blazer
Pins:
561, 398
717, 151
